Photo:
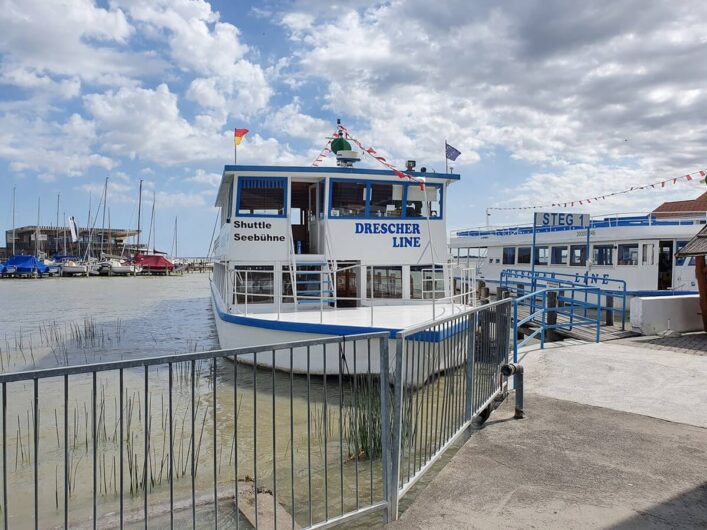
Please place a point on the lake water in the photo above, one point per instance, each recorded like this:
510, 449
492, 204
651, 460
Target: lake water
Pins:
67, 321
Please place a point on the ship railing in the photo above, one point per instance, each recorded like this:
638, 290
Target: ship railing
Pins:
248, 289
248, 437
611, 293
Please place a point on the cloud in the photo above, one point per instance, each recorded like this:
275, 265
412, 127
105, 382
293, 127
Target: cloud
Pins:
146, 124
291, 121
51, 147
558, 85
202, 177
71, 39
201, 44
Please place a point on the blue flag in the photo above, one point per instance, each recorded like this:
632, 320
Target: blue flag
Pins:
452, 153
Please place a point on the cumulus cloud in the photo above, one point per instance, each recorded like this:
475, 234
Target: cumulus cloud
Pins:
72, 39
51, 147
558, 85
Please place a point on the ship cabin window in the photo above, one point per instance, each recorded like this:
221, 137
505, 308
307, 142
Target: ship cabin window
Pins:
578, 255
648, 258
386, 200
385, 282
262, 197
255, 282
523, 255
559, 255
425, 282
509, 255
683, 261
542, 255
628, 254
348, 199
603, 254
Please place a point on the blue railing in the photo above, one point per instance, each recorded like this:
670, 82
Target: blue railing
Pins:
607, 290
606, 222
576, 313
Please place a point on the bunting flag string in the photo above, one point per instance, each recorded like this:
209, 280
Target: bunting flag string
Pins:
324, 153
580, 202
374, 154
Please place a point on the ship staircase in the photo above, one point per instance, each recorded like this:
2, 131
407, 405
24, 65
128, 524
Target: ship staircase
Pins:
312, 280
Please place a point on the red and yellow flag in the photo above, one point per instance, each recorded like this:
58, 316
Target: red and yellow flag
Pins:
238, 135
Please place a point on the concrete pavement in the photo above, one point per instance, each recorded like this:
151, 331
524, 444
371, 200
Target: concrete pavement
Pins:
614, 437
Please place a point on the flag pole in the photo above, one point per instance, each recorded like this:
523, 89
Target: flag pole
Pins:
446, 163
235, 149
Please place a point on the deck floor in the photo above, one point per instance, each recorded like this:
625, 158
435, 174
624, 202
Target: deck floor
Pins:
398, 316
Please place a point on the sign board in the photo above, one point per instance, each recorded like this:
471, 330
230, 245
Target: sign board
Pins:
570, 220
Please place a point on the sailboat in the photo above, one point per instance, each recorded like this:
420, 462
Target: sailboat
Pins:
154, 262
71, 265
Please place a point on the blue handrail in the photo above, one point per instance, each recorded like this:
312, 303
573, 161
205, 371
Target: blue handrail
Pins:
536, 301
615, 288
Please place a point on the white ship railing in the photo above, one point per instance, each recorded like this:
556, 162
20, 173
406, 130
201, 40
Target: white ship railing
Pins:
245, 291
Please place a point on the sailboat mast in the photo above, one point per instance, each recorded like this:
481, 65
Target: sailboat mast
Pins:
139, 211
153, 223
36, 232
88, 225
14, 188
103, 223
56, 237
65, 234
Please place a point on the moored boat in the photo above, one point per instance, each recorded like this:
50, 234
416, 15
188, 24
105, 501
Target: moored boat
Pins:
307, 252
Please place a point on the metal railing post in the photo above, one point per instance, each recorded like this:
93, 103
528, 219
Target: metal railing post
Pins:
397, 428
542, 320
470, 355
623, 309
598, 315
515, 331
386, 453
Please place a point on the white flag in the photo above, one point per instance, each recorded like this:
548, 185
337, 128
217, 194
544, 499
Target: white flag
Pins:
74, 229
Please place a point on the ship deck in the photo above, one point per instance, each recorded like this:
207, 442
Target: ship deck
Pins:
393, 317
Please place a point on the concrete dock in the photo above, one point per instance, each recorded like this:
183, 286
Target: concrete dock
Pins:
615, 436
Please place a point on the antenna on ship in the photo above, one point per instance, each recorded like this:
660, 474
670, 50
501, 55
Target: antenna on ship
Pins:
345, 156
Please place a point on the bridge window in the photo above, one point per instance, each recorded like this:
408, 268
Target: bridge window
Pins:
542, 255
262, 196
628, 254
386, 200
385, 282
523, 255
348, 199
509, 255
559, 255
423, 203
578, 255
603, 254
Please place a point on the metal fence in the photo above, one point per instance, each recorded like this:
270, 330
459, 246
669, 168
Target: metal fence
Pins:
225, 439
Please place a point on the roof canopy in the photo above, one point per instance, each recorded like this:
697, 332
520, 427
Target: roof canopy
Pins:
697, 246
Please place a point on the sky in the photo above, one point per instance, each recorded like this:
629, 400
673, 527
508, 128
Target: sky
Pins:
547, 100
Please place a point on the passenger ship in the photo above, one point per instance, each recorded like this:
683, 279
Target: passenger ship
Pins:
638, 249
307, 252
